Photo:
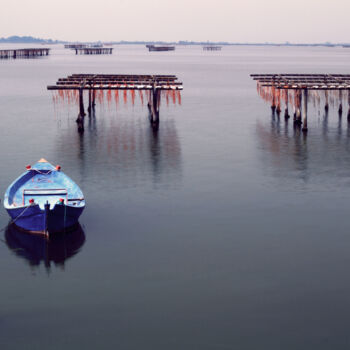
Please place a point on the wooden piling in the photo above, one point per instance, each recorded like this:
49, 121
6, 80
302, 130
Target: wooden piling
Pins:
340, 109
278, 108
80, 119
93, 99
153, 105
81, 103
297, 120
286, 113
90, 101
273, 105
326, 106
304, 129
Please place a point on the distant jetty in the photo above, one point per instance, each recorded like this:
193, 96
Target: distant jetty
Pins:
94, 51
160, 48
212, 48
24, 53
75, 46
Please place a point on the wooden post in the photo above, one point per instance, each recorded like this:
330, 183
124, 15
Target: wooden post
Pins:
297, 120
93, 98
81, 102
273, 106
340, 110
304, 129
278, 109
90, 102
286, 114
80, 119
156, 102
326, 106
154, 105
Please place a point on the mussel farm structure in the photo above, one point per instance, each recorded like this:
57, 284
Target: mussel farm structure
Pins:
212, 48
75, 46
296, 90
24, 53
94, 50
72, 88
160, 48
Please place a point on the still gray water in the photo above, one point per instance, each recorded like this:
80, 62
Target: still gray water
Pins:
226, 229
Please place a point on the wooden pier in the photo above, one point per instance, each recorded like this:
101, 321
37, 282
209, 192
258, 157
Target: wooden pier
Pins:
24, 53
212, 48
75, 46
94, 51
160, 48
296, 90
152, 84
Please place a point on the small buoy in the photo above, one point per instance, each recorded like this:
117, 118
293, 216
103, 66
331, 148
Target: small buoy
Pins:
58, 167
31, 201
28, 167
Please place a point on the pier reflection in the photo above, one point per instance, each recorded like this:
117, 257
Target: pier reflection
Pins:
286, 151
37, 250
127, 147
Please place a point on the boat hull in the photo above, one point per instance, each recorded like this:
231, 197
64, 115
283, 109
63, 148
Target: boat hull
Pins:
36, 220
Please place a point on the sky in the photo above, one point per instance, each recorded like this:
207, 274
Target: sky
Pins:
296, 21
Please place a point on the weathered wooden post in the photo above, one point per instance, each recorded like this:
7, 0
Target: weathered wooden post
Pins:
80, 119
286, 113
81, 102
297, 120
90, 101
93, 98
273, 105
153, 104
304, 129
278, 108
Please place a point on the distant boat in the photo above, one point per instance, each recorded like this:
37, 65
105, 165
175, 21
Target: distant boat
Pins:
44, 199
160, 48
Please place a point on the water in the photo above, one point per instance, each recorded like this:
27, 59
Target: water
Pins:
227, 229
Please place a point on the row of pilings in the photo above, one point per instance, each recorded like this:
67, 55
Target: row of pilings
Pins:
24, 53
298, 99
153, 106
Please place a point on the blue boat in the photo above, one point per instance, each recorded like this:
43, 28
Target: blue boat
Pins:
44, 199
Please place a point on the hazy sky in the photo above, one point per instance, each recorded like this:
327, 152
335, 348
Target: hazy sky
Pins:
173, 20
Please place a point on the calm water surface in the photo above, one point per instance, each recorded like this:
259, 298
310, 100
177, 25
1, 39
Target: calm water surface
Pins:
226, 229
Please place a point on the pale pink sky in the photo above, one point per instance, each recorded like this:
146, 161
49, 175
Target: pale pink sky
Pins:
173, 20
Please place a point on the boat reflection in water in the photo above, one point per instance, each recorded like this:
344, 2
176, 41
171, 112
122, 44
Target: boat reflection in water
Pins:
37, 249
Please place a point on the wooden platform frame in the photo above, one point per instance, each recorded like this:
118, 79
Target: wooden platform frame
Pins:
154, 84
302, 84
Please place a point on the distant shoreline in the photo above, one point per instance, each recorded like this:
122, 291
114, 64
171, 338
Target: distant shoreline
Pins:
33, 40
